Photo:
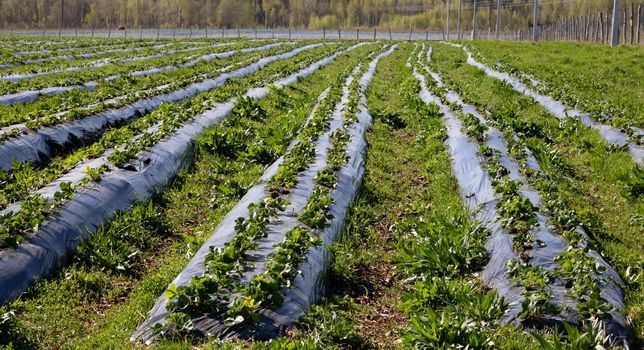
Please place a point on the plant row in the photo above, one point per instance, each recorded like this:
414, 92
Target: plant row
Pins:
220, 288
28, 55
119, 92
553, 69
56, 66
626, 136
120, 145
66, 78
577, 268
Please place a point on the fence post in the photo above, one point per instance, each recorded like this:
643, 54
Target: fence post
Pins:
109, 32
614, 35
633, 23
339, 35
255, 33
158, 32
623, 26
389, 34
447, 20
458, 21
534, 20
289, 33
474, 21
239, 33
190, 33
92, 31
374, 34
410, 33
324, 33
206, 32
601, 27
639, 23
141, 33
426, 35
358, 34
498, 19
222, 33
174, 32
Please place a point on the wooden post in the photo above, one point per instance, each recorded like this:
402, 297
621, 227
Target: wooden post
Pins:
339, 34
190, 33
601, 27
289, 33
639, 23
174, 32
109, 33
474, 21
426, 35
535, 18
447, 25
374, 34
633, 23
458, 21
141, 32
206, 32
239, 33
617, 11
409, 33
623, 26
358, 34
158, 32
255, 33
323, 33
498, 19
389, 34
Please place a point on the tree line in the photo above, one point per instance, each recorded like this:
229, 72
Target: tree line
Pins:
308, 14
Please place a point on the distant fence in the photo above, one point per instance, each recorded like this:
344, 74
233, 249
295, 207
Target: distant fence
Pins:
592, 28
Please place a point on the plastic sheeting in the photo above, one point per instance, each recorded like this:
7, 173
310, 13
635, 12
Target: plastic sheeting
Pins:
32, 95
611, 134
475, 184
29, 96
42, 144
307, 286
57, 237
101, 63
204, 58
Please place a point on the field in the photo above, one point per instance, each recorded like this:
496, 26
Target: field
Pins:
312, 194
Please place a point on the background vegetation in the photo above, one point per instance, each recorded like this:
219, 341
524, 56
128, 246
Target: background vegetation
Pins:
309, 14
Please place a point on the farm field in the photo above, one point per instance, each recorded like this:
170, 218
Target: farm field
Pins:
320, 194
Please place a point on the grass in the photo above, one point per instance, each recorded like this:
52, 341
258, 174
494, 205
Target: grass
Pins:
404, 272
595, 78
593, 178
108, 305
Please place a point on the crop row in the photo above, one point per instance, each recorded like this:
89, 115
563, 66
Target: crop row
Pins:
106, 72
627, 137
117, 147
542, 265
34, 55
289, 214
610, 94
66, 129
163, 159
121, 92
47, 68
